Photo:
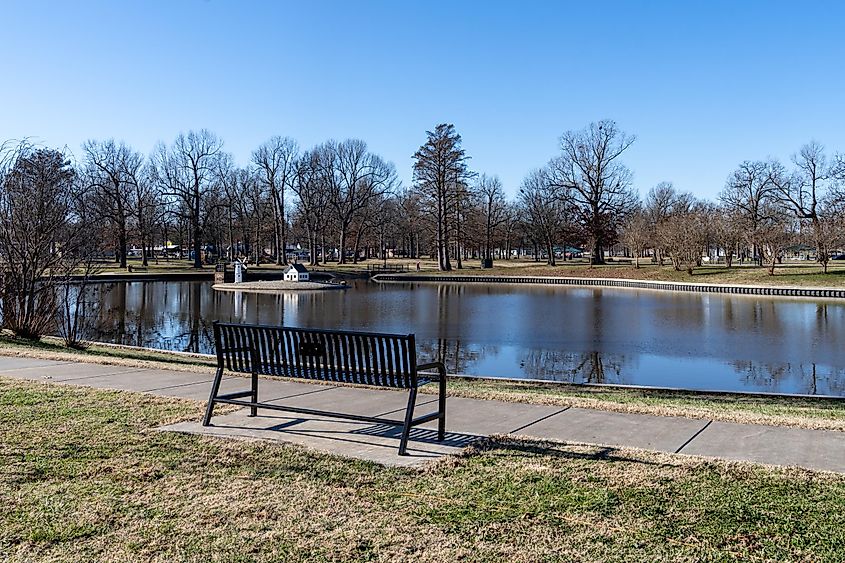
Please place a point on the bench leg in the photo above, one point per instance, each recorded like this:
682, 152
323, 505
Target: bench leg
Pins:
253, 411
215, 388
441, 423
409, 416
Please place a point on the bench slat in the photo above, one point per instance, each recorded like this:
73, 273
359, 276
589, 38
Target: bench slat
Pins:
368, 358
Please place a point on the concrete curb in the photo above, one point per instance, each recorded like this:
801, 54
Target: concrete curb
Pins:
780, 291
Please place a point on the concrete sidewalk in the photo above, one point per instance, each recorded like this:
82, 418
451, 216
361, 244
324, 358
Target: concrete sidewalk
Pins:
467, 420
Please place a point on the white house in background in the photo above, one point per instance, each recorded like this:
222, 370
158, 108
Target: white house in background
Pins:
297, 273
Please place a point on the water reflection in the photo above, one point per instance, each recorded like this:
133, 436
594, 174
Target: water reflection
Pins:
576, 335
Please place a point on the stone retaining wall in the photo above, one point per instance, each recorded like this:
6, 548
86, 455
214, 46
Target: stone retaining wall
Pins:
821, 292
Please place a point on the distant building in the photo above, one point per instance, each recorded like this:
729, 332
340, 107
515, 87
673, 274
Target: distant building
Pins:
297, 273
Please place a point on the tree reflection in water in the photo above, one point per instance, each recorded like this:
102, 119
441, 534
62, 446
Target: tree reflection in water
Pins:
576, 335
585, 367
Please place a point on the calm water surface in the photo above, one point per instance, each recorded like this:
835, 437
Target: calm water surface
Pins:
582, 335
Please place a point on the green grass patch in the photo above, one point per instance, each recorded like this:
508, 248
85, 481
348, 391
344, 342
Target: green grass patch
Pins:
84, 475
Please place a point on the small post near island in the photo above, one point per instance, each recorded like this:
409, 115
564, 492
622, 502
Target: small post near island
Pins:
239, 271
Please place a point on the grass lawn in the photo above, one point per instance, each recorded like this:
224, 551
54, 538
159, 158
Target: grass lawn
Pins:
84, 476
798, 412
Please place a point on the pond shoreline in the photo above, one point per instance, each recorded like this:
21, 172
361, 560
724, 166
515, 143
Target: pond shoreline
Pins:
772, 291
273, 286
502, 380
787, 410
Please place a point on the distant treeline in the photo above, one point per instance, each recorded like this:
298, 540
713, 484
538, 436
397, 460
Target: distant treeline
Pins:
339, 201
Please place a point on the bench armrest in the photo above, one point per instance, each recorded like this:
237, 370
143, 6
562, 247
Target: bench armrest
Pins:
433, 365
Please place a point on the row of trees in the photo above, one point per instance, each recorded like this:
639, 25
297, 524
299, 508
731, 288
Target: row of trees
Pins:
342, 202
764, 209
338, 200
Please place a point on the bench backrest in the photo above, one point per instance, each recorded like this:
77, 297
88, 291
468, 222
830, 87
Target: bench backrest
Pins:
386, 360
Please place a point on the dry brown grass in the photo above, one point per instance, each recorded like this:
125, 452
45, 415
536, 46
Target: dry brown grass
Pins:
802, 274
109, 487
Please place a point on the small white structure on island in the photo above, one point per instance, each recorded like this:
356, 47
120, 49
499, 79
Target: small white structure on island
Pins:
297, 273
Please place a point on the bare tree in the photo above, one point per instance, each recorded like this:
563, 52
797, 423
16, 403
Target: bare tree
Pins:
37, 234
547, 209
413, 225
79, 298
356, 178
658, 206
727, 231
828, 233
439, 170
775, 233
147, 209
313, 196
112, 172
276, 159
462, 200
804, 190
510, 222
186, 173
748, 192
637, 233
684, 232
493, 209
589, 166
248, 200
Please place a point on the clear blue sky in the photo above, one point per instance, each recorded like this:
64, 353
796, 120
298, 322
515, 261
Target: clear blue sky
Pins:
703, 84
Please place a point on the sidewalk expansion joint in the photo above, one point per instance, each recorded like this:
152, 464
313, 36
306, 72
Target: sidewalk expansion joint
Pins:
37, 367
693, 437
400, 409
49, 378
541, 419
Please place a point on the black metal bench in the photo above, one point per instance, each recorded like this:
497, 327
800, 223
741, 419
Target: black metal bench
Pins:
380, 360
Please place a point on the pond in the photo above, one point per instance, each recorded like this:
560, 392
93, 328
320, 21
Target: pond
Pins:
553, 333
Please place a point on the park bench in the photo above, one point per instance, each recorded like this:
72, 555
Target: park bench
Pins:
132, 268
363, 358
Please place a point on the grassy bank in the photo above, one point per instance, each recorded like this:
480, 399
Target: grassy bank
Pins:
84, 476
802, 274
781, 411
799, 274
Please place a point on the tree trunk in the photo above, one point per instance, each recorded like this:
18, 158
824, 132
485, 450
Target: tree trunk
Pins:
341, 259
357, 246
197, 246
122, 242
597, 257
277, 235
197, 230
143, 250
284, 241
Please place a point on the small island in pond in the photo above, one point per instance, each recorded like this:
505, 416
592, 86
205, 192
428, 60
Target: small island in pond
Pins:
277, 285
296, 278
